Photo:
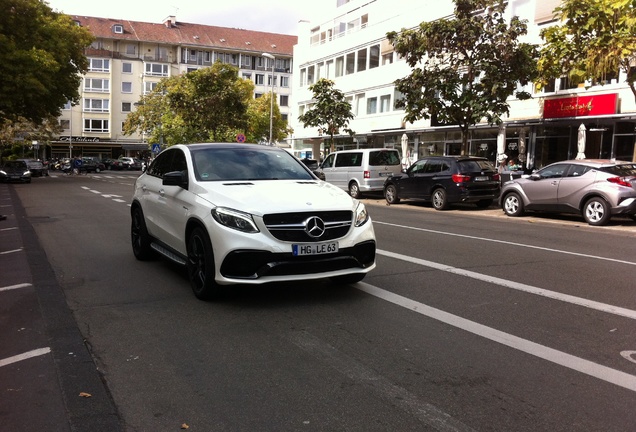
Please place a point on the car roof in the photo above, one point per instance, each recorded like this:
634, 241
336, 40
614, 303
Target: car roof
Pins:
596, 163
365, 149
455, 157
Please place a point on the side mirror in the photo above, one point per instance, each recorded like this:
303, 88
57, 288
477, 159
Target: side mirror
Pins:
534, 176
176, 178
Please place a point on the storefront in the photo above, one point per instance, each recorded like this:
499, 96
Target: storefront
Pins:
96, 147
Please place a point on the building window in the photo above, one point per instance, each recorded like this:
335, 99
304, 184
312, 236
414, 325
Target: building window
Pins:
385, 103
284, 81
96, 105
362, 60
351, 63
149, 86
95, 125
97, 85
126, 87
374, 56
208, 56
269, 80
98, 65
67, 105
284, 100
126, 107
118, 28
247, 76
65, 124
126, 68
260, 79
258, 95
193, 55
387, 59
303, 77
131, 49
191, 69
339, 67
372, 105
157, 69
284, 117
310, 75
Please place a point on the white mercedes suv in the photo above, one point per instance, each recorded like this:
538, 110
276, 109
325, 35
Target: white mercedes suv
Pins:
248, 214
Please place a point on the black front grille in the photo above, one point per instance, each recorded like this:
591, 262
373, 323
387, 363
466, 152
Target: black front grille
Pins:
291, 226
251, 264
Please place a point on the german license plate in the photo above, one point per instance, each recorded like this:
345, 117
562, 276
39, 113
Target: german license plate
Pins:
481, 178
314, 248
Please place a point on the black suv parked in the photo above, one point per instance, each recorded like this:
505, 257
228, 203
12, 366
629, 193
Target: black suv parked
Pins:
444, 180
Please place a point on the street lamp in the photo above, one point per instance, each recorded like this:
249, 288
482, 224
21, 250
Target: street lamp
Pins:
271, 96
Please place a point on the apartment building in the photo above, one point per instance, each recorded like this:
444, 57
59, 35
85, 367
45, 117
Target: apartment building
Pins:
346, 42
128, 59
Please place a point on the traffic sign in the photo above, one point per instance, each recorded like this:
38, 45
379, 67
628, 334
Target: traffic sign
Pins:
156, 148
240, 138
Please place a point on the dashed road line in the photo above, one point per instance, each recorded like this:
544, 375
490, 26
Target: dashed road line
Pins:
17, 286
24, 356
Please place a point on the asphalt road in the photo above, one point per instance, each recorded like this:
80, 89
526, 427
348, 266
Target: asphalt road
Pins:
471, 321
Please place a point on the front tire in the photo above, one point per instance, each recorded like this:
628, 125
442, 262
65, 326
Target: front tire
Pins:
391, 194
200, 265
354, 190
439, 200
139, 236
596, 211
512, 204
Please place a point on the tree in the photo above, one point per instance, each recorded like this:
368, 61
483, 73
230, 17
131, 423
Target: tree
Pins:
41, 60
258, 120
464, 68
595, 38
206, 105
330, 112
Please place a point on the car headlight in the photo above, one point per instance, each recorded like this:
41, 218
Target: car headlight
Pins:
235, 219
3, 172
361, 215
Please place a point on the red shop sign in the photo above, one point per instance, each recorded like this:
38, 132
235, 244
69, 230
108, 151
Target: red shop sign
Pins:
580, 106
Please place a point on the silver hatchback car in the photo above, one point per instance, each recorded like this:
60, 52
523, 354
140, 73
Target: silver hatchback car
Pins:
597, 189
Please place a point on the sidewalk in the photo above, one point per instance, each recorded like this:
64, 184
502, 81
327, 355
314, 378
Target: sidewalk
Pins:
44, 365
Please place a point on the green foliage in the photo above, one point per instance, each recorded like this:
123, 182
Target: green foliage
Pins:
206, 105
464, 68
41, 60
330, 112
594, 38
258, 115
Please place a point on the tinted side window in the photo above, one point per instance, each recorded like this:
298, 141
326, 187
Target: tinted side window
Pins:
384, 157
624, 170
328, 163
433, 166
178, 162
578, 170
475, 166
161, 164
349, 159
554, 171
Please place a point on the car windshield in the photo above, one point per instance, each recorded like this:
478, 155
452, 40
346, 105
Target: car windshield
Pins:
15, 164
623, 170
217, 164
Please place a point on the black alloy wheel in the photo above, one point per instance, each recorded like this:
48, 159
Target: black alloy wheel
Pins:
139, 236
201, 265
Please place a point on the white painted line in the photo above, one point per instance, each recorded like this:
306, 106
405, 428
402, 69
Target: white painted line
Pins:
9, 229
119, 200
95, 192
569, 361
591, 304
11, 251
396, 395
18, 286
508, 243
25, 356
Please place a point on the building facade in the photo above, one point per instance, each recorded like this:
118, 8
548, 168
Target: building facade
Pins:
128, 59
347, 43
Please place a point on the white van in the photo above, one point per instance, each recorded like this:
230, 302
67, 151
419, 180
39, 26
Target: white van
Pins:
362, 170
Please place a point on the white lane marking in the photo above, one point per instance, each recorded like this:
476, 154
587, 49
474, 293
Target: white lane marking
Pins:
349, 367
111, 196
119, 200
508, 243
629, 355
9, 229
12, 287
11, 251
24, 356
569, 361
628, 313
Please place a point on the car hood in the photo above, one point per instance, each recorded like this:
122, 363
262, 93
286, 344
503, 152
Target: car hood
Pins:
277, 196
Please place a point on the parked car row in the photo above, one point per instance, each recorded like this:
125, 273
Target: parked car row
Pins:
15, 171
594, 189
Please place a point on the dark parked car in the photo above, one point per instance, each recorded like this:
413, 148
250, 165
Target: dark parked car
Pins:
129, 163
112, 164
15, 171
444, 180
36, 167
313, 165
594, 188
92, 165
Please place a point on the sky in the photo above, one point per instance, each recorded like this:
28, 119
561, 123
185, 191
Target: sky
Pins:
275, 16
